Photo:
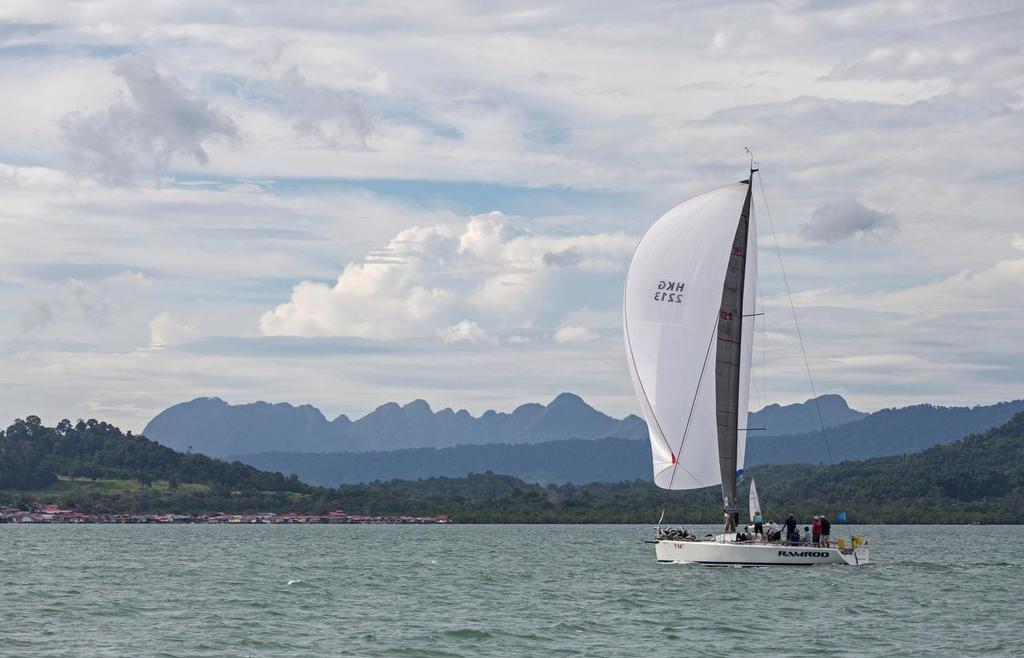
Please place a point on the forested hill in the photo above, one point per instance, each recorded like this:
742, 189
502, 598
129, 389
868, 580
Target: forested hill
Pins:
33, 455
979, 478
885, 432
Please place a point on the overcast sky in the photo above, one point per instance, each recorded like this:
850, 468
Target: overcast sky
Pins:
349, 204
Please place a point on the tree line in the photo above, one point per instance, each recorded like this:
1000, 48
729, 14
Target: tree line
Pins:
977, 479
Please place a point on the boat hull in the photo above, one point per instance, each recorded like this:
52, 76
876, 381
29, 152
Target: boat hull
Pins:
717, 553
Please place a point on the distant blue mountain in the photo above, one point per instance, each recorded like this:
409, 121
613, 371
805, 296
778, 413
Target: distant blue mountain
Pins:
803, 416
886, 432
216, 428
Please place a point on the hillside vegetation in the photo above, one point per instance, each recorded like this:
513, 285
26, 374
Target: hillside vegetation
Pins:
93, 465
979, 478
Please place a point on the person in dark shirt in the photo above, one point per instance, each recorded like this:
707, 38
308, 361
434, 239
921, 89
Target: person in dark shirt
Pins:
790, 528
826, 531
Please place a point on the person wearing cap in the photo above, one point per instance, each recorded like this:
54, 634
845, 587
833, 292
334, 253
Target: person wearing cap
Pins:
816, 530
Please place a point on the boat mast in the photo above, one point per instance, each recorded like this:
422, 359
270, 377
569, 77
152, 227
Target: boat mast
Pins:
728, 362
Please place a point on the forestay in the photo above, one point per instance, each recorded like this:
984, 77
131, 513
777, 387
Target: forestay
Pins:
679, 318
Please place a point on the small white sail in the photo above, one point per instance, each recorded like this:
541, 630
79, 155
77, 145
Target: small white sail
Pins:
755, 504
673, 318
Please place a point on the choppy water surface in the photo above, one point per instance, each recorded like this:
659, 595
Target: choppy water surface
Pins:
491, 591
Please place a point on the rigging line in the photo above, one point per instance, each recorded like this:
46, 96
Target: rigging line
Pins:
703, 489
764, 355
693, 405
796, 323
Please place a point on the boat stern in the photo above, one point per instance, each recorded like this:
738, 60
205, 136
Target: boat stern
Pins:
856, 557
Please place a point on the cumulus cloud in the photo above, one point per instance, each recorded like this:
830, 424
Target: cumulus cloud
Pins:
166, 330
467, 332
389, 298
162, 120
836, 220
574, 335
426, 279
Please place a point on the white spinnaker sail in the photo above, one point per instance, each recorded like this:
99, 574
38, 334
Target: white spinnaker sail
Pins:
755, 504
671, 305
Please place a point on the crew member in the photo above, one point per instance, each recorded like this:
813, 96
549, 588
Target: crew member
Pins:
816, 529
791, 528
826, 530
758, 525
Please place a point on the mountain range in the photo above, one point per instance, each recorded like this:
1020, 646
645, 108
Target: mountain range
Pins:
214, 427
607, 459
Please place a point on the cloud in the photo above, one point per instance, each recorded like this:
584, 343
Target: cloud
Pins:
333, 116
550, 114
128, 279
164, 120
37, 316
911, 61
467, 332
836, 220
96, 303
92, 303
165, 330
388, 296
429, 279
574, 335
567, 258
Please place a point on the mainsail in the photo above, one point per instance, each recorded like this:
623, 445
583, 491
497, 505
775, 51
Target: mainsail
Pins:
687, 314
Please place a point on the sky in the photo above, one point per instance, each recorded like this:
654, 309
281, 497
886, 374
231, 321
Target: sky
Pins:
345, 204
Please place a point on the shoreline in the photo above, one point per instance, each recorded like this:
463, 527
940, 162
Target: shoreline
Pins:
48, 515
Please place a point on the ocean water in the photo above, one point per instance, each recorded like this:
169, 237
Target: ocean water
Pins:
492, 591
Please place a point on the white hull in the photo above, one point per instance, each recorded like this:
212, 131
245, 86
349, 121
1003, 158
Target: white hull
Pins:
724, 553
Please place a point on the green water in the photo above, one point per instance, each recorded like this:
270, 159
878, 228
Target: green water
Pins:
492, 591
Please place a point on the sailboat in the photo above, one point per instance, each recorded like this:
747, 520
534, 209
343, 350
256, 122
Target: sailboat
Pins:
688, 312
